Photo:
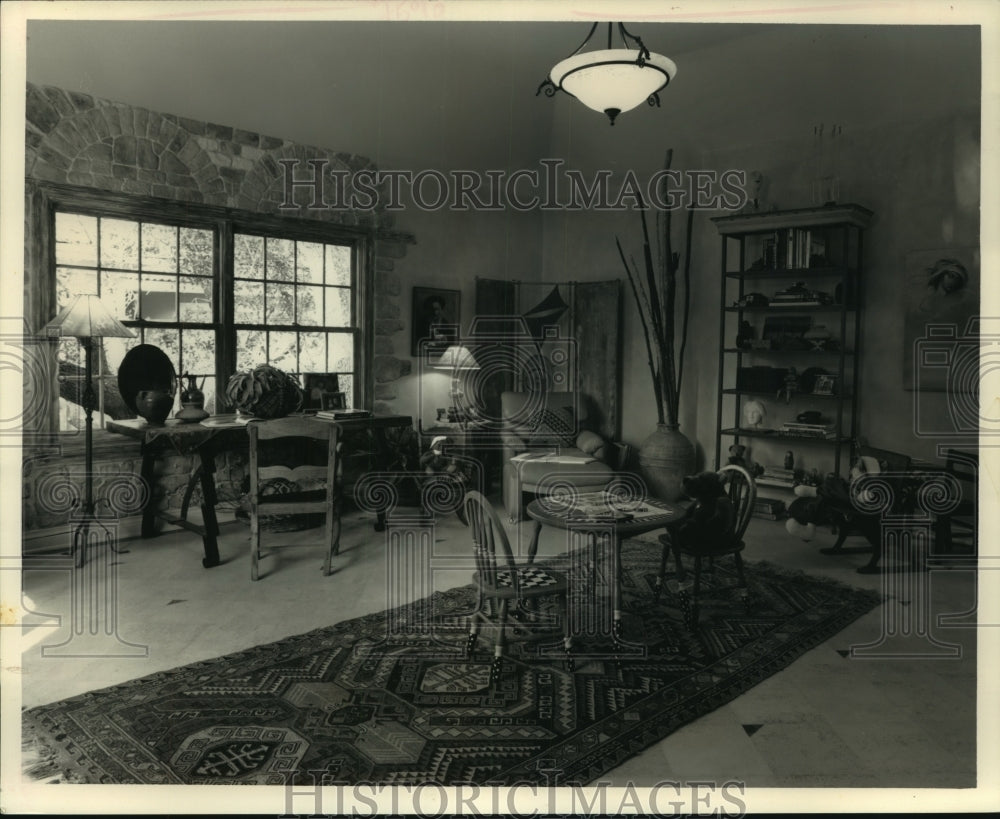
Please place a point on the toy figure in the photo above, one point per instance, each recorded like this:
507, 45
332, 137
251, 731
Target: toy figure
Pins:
710, 522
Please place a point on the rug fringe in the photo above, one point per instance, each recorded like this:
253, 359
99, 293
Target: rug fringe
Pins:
40, 762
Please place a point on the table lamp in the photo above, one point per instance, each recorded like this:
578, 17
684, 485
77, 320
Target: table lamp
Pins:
458, 358
87, 318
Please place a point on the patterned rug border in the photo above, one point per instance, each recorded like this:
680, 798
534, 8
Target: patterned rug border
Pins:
42, 761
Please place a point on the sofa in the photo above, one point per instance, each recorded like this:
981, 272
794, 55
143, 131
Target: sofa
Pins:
552, 422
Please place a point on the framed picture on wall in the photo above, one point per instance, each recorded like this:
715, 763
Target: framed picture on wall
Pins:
435, 319
315, 385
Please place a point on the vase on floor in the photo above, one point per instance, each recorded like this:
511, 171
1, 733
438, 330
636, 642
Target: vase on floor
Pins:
665, 457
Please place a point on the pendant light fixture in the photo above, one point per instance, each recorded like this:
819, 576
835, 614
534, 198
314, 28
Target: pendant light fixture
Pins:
611, 80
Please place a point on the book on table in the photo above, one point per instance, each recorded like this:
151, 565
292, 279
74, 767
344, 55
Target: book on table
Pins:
343, 415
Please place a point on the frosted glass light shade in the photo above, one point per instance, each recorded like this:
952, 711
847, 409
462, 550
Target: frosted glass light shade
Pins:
611, 80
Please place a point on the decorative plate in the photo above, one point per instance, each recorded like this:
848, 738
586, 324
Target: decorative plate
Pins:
145, 367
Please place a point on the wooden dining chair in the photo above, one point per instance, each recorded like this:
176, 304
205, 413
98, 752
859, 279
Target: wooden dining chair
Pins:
500, 583
300, 454
742, 491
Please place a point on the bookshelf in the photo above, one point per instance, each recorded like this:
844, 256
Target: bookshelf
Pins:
790, 338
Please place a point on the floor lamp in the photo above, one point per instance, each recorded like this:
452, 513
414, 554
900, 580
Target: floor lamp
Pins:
87, 318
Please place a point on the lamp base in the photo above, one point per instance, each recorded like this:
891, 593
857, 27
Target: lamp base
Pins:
82, 539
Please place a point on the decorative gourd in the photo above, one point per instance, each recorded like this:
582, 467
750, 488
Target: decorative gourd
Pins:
264, 392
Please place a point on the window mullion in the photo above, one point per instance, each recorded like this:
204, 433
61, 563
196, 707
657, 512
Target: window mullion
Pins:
225, 354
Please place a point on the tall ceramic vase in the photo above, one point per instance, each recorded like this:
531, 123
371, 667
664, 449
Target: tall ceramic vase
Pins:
665, 457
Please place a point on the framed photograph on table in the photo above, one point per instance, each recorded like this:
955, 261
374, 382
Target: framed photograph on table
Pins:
825, 385
315, 385
334, 401
435, 320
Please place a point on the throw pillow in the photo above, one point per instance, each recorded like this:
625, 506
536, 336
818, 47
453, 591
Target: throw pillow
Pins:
553, 428
592, 444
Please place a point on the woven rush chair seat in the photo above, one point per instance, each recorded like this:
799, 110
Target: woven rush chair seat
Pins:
500, 582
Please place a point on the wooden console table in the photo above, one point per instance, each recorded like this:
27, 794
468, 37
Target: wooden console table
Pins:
203, 442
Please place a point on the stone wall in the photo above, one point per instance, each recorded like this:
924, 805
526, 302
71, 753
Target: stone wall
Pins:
51, 482
76, 139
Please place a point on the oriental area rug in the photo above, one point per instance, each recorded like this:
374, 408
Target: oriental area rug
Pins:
391, 697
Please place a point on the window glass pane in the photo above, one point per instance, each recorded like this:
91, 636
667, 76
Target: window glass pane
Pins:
71, 283
198, 349
309, 262
248, 302
120, 293
208, 387
114, 352
338, 265
281, 260
309, 305
119, 244
159, 297
312, 352
346, 384
196, 299
76, 239
280, 304
159, 248
70, 357
282, 351
340, 352
250, 349
196, 252
338, 307
248, 256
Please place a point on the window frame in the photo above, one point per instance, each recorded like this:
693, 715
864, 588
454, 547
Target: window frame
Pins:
225, 222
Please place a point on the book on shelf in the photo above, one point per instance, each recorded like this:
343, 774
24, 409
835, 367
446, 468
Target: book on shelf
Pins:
777, 476
810, 430
799, 248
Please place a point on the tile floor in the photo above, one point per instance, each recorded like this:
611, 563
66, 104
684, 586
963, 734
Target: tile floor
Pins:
826, 721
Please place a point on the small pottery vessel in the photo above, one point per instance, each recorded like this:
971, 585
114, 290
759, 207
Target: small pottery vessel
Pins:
154, 406
191, 414
191, 394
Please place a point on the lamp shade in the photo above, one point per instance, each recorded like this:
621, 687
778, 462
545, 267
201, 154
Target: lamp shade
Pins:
613, 80
457, 357
86, 317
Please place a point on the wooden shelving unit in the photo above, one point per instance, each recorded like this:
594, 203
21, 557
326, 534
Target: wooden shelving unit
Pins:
809, 255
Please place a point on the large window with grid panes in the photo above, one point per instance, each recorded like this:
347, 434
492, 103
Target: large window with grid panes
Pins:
218, 293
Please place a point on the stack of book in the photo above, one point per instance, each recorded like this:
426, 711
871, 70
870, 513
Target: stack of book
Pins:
828, 431
769, 509
778, 477
343, 414
796, 296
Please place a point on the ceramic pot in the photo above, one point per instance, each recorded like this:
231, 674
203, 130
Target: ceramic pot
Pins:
154, 406
665, 457
192, 395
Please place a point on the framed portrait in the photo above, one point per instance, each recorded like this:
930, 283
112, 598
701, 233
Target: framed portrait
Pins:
435, 320
333, 401
314, 385
825, 385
